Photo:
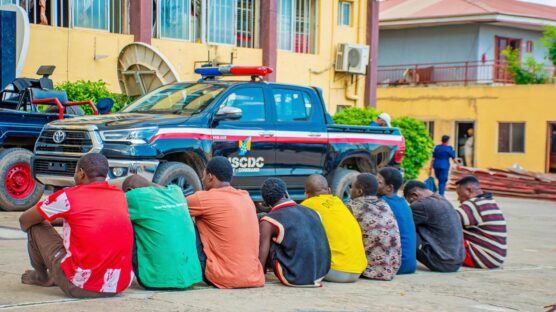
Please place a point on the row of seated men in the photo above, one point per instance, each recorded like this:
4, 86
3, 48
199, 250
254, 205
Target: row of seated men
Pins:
168, 241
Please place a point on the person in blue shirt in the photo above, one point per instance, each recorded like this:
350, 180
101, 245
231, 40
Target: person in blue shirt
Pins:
389, 182
441, 155
383, 120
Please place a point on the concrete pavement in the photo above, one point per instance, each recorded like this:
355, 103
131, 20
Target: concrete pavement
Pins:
526, 283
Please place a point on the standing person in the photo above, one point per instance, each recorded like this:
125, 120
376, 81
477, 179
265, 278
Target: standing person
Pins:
165, 253
293, 242
342, 230
228, 228
383, 120
439, 233
484, 226
93, 257
441, 163
468, 148
389, 182
381, 236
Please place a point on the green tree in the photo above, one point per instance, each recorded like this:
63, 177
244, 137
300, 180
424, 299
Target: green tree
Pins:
527, 72
417, 141
82, 90
549, 41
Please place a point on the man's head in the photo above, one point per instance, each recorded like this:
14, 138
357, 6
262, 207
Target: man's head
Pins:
470, 132
415, 190
445, 139
364, 184
219, 172
389, 181
316, 185
273, 191
467, 188
136, 181
384, 120
90, 168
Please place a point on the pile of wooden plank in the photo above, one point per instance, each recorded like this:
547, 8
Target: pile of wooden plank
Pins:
510, 182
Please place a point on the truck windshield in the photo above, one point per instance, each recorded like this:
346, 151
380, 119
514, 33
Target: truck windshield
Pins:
185, 98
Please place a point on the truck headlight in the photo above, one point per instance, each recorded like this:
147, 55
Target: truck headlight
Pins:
135, 136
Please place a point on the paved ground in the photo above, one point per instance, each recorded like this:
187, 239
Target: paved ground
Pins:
526, 283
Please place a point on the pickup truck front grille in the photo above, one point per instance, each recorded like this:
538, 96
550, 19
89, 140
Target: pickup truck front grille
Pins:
57, 167
74, 142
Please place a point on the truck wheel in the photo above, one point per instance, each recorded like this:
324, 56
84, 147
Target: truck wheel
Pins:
20, 190
179, 174
341, 183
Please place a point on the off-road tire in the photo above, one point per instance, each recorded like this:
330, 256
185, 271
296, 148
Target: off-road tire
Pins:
8, 159
170, 171
341, 182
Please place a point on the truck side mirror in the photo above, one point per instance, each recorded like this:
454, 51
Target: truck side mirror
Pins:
228, 113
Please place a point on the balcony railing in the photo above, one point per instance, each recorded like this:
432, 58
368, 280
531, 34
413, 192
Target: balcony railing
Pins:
476, 72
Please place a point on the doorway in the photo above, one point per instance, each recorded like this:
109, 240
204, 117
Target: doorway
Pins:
501, 73
551, 150
465, 142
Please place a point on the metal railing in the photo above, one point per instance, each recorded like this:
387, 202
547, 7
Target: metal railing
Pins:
467, 72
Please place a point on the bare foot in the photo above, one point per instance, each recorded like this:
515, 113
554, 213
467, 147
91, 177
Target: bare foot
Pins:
30, 277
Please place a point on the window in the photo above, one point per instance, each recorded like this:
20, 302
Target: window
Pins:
175, 20
296, 25
221, 21
245, 36
344, 13
529, 46
251, 103
430, 128
511, 137
292, 105
91, 14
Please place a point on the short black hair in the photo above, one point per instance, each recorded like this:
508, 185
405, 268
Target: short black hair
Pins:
94, 165
468, 180
445, 138
273, 190
411, 185
392, 176
368, 183
221, 168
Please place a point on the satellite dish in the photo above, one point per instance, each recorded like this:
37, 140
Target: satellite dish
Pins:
142, 69
22, 34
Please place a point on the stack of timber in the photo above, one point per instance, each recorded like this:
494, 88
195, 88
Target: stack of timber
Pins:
510, 182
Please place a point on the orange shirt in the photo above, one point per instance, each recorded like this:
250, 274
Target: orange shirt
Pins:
229, 229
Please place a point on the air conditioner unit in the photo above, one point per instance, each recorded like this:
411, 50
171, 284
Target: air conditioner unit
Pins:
352, 58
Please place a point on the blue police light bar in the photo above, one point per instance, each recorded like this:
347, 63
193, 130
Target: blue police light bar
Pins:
234, 71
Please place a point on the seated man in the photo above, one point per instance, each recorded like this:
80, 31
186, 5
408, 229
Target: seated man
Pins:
389, 182
439, 233
165, 253
383, 120
381, 236
226, 219
484, 226
342, 230
93, 259
293, 242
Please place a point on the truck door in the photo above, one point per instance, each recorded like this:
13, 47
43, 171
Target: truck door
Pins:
249, 142
301, 138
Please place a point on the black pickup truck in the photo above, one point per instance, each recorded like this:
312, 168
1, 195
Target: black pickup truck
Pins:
264, 129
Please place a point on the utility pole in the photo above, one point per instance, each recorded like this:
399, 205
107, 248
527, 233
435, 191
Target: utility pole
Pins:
372, 42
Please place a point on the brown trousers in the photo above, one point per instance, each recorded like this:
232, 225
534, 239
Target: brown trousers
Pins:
46, 251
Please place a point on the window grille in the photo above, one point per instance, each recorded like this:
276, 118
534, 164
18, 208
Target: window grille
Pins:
296, 25
93, 14
245, 14
511, 137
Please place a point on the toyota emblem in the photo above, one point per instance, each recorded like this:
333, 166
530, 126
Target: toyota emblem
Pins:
59, 136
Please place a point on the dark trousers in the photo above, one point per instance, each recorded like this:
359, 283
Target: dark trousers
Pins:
202, 256
426, 257
46, 251
442, 177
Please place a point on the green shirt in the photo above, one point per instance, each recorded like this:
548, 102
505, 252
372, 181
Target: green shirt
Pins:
164, 237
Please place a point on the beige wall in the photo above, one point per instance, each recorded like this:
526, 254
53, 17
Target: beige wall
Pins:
486, 106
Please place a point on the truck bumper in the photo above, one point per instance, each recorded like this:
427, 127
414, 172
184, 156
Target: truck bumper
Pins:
58, 171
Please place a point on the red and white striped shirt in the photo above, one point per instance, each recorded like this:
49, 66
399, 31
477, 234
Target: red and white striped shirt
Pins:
484, 230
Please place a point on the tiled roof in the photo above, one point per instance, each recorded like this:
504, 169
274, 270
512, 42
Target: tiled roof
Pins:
417, 9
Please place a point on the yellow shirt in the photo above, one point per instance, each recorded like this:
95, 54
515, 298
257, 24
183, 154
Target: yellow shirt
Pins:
343, 232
